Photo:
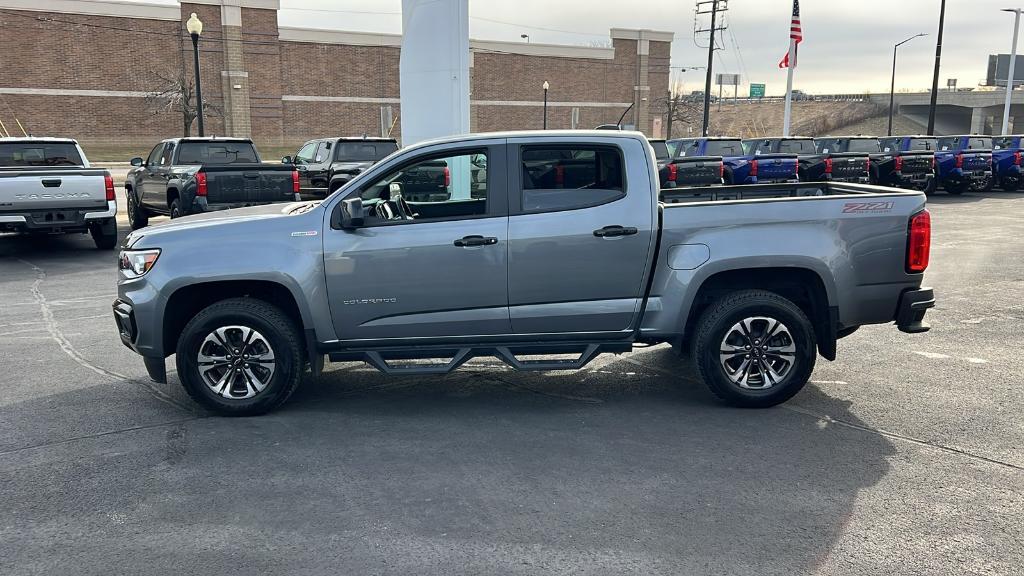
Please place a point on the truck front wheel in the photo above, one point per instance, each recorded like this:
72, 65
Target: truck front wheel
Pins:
240, 357
754, 348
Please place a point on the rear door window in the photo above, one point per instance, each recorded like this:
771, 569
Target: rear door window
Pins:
39, 154
569, 177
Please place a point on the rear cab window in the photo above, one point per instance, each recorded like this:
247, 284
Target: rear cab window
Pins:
363, 151
660, 150
39, 154
723, 148
569, 177
869, 145
922, 144
190, 152
802, 146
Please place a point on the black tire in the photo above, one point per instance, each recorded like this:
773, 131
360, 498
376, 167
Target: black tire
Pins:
930, 187
137, 216
1009, 184
276, 329
717, 323
176, 208
955, 189
103, 240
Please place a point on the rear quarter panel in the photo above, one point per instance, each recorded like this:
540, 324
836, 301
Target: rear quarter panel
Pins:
856, 244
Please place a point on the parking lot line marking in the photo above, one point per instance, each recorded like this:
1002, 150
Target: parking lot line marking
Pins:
932, 355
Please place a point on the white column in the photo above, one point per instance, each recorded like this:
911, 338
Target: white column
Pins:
434, 69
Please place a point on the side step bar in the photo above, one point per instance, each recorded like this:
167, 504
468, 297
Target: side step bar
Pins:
450, 358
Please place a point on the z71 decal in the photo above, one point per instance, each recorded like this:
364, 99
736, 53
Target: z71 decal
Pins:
867, 207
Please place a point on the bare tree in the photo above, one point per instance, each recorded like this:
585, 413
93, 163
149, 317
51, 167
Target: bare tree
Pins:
680, 109
174, 91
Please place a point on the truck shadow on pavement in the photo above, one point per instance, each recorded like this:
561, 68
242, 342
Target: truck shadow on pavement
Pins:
973, 197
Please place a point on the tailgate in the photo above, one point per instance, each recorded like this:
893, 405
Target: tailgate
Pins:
28, 189
916, 163
853, 166
699, 171
977, 161
248, 184
776, 167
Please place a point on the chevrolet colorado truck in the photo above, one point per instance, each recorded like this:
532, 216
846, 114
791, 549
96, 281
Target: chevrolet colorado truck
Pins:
1006, 161
741, 166
193, 175
817, 163
963, 163
686, 171
905, 162
326, 164
754, 285
48, 187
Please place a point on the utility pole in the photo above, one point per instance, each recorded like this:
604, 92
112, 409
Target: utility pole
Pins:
935, 75
715, 9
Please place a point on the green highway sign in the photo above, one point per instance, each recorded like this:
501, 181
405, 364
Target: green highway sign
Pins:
757, 90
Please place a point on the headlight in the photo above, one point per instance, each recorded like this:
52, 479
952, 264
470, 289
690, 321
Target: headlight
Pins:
135, 263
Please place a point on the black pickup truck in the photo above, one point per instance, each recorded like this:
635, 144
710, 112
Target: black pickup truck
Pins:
191, 175
326, 164
686, 171
905, 162
817, 163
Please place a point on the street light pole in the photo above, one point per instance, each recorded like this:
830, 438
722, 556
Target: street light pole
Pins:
935, 75
1010, 73
195, 28
546, 86
892, 85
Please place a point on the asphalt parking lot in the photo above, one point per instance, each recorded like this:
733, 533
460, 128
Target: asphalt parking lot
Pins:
905, 456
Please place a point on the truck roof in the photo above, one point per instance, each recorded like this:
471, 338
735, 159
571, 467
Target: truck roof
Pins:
208, 139
36, 139
358, 139
539, 134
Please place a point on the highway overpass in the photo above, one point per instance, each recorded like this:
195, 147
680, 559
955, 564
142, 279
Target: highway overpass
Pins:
960, 112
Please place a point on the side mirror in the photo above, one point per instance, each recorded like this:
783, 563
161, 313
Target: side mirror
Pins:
348, 215
137, 161
286, 160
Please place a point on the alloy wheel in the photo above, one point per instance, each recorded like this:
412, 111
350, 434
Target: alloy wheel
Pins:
236, 362
757, 353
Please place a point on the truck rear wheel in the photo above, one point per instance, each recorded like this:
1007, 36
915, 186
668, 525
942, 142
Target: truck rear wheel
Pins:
104, 235
754, 348
240, 357
176, 208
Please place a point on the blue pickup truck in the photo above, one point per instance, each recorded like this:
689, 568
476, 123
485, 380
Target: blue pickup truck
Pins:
1006, 161
741, 167
964, 163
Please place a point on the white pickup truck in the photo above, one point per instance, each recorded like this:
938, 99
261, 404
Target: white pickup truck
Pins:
48, 187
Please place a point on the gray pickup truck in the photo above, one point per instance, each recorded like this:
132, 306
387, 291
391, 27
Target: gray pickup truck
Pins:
753, 281
48, 187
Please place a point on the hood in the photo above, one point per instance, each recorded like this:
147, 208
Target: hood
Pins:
235, 216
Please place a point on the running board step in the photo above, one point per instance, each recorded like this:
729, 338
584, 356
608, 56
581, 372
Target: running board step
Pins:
449, 358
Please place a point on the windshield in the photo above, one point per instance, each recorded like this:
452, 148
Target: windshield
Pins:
660, 149
723, 148
869, 145
217, 153
39, 154
363, 151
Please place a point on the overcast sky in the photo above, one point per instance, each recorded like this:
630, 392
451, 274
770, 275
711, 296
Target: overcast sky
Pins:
847, 44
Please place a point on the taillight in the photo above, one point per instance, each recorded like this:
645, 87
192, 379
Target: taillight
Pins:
959, 160
108, 186
933, 161
673, 171
200, 183
828, 165
447, 177
721, 169
1016, 158
919, 242
867, 165
753, 167
899, 163
295, 181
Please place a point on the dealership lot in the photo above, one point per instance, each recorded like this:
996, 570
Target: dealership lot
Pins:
903, 457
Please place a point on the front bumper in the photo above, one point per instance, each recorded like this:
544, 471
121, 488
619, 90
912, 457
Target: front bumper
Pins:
911, 310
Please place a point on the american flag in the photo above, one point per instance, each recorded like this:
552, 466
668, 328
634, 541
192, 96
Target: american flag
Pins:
795, 33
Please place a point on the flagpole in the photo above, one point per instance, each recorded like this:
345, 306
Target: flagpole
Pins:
789, 88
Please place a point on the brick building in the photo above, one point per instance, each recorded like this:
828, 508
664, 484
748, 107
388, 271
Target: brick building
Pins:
84, 69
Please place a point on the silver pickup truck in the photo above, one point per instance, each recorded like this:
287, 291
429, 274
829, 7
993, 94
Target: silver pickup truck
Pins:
47, 187
568, 248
